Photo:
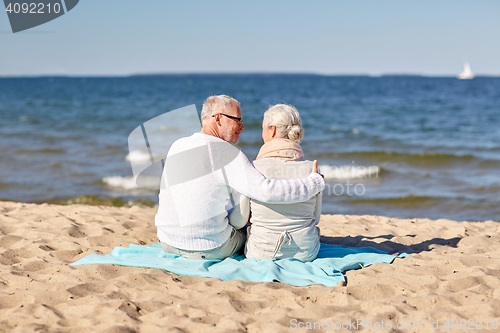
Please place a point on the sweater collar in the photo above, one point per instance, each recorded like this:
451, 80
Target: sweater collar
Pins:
281, 148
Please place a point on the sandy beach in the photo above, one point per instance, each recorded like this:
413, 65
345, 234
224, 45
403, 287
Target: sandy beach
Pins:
452, 274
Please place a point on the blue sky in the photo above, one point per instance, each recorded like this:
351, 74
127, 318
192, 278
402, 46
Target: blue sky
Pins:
123, 37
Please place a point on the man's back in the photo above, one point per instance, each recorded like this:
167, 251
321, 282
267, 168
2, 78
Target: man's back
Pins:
192, 214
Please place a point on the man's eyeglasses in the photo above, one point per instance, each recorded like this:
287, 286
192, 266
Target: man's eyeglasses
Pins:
239, 120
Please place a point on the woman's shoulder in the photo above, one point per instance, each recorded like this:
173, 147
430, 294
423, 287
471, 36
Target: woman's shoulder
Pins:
277, 160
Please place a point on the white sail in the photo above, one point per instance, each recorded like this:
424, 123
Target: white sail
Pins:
467, 73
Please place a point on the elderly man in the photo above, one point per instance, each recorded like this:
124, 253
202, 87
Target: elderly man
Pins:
203, 177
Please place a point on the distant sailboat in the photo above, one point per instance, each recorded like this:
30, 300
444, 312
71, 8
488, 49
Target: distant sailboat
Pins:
467, 73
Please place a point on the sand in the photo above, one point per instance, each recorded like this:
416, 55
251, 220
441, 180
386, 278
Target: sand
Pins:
452, 274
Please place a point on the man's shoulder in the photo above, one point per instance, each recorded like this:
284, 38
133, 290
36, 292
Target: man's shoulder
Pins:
277, 168
187, 142
221, 152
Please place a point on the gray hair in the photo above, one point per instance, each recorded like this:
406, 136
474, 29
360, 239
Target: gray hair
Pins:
287, 121
220, 102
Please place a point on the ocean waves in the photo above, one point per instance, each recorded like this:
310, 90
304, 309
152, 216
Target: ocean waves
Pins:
424, 159
349, 172
410, 146
41, 151
407, 201
129, 182
140, 156
462, 208
330, 172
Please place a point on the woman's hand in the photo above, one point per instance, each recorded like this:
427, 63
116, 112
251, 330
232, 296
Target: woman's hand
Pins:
315, 168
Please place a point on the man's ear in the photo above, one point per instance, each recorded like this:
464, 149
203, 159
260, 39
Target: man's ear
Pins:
217, 119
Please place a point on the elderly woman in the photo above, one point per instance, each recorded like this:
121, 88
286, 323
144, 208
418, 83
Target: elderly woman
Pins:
281, 231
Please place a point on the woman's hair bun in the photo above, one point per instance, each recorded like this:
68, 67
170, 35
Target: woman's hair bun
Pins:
295, 133
287, 121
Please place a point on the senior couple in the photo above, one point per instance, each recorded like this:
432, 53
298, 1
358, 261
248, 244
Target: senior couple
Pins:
211, 191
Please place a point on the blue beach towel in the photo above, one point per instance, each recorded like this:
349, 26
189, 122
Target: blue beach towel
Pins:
327, 269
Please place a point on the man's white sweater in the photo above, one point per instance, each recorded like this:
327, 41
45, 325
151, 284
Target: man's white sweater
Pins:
199, 191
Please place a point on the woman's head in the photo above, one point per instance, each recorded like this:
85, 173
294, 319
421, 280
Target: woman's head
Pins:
282, 121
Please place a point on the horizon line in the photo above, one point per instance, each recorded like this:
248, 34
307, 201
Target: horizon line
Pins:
256, 73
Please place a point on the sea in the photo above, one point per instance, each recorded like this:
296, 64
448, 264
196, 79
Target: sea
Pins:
397, 146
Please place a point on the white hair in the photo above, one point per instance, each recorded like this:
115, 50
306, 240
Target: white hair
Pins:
287, 121
220, 102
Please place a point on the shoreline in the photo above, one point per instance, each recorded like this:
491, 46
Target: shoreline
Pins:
92, 200
452, 273
97, 200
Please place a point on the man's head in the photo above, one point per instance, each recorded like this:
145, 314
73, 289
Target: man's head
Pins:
221, 117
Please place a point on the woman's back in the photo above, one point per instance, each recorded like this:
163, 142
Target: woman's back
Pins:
284, 230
